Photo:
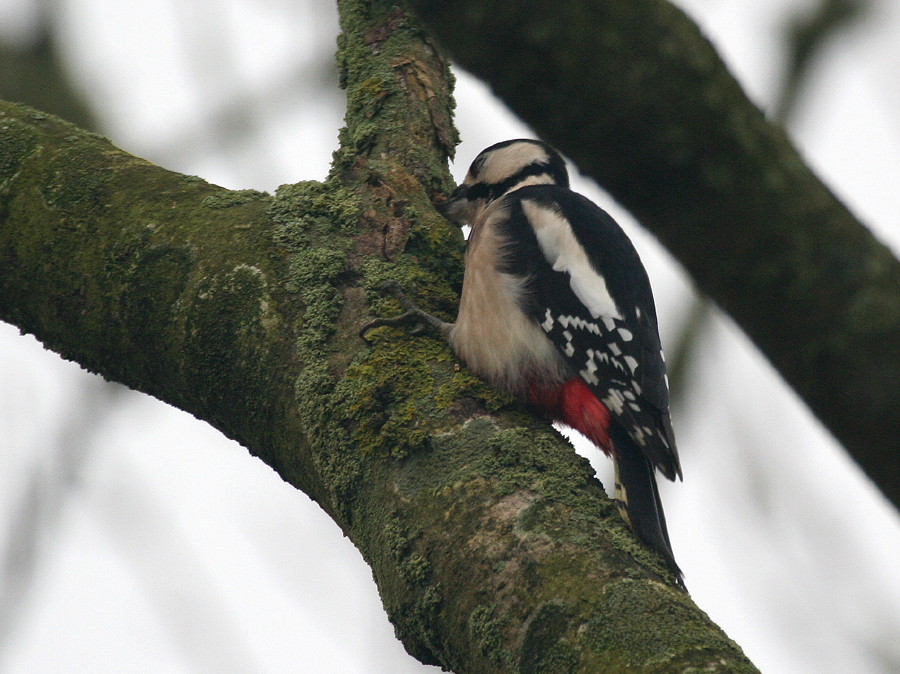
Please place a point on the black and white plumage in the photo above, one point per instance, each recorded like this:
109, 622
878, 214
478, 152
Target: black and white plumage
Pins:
557, 309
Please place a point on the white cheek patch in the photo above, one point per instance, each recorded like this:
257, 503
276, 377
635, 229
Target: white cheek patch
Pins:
563, 252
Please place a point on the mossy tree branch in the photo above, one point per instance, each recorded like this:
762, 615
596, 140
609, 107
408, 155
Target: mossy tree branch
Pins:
638, 98
494, 548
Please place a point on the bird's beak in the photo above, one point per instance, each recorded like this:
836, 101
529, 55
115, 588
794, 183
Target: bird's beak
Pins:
454, 208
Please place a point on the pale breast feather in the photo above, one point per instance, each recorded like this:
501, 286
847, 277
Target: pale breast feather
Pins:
496, 339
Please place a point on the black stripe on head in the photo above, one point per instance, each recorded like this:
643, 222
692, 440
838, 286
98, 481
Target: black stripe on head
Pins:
552, 165
556, 167
497, 190
478, 164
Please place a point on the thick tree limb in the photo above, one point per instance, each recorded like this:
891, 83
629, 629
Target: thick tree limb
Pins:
638, 98
493, 547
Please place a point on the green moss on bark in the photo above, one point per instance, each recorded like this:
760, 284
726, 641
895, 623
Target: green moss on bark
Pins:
234, 198
17, 141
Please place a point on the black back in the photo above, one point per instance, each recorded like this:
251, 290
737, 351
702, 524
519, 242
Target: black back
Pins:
630, 373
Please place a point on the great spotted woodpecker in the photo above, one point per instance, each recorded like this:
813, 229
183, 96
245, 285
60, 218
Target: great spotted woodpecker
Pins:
556, 309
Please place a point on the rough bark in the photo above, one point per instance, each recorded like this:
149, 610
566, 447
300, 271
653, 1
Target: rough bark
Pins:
638, 98
493, 547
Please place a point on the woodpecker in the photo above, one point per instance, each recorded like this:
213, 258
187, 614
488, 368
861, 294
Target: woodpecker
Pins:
557, 309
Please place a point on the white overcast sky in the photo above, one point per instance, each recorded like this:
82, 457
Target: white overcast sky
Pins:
135, 538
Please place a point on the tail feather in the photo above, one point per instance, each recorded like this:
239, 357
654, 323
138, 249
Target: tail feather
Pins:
637, 496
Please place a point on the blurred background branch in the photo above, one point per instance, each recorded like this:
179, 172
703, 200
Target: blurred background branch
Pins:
32, 72
807, 35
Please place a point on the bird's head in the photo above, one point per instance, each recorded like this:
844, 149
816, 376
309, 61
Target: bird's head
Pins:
500, 169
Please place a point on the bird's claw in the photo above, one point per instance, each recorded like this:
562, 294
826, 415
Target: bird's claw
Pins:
412, 315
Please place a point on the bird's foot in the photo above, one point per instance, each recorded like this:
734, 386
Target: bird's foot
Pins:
414, 316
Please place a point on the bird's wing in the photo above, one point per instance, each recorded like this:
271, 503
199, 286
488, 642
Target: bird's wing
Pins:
590, 293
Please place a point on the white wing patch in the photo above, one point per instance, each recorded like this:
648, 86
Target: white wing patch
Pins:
588, 372
576, 322
548, 322
565, 254
615, 401
569, 350
632, 363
